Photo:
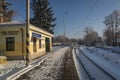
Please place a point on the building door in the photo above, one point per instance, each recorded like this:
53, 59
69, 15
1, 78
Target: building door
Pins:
34, 45
47, 44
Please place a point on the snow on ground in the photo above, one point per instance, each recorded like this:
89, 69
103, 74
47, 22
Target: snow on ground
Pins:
92, 69
102, 58
50, 69
112, 57
17, 64
10, 66
55, 48
116, 49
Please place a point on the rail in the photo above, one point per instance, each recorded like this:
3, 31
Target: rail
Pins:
98, 66
87, 73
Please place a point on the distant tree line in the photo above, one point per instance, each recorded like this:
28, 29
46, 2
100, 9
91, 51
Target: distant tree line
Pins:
111, 34
61, 39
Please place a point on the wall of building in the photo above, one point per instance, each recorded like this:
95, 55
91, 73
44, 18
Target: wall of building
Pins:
18, 31
1, 19
39, 50
8, 31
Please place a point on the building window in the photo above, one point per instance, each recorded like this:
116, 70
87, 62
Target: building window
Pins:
40, 44
10, 44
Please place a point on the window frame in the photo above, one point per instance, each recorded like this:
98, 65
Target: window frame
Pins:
10, 43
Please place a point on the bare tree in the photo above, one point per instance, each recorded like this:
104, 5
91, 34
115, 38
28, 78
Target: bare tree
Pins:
108, 36
112, 22
5, 12
90, 36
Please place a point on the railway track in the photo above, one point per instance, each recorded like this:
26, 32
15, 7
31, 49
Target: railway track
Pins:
91, 77
87, 73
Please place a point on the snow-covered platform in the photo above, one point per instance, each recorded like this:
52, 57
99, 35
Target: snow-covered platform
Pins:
13, 69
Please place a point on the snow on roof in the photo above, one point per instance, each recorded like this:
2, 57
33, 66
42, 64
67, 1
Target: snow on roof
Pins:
12, 22
40, 29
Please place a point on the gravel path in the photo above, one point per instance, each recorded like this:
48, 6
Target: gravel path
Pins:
69, 70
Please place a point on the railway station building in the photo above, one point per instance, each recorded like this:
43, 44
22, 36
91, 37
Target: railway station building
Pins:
13, 41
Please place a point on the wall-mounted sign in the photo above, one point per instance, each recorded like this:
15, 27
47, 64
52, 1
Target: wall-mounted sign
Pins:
9, 32
36, 35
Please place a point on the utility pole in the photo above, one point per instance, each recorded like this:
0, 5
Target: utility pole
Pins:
116, 26
64, 30
27, 30
65, 41
86, 36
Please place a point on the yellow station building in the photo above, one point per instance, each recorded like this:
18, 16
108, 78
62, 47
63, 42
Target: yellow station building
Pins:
13, 41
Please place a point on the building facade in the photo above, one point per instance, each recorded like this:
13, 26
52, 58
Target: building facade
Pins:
13, 41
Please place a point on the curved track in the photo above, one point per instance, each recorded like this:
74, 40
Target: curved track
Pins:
93, 63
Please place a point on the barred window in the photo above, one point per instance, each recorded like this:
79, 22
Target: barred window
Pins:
10, 44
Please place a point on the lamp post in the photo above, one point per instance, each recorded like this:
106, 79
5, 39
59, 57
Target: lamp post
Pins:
27, 30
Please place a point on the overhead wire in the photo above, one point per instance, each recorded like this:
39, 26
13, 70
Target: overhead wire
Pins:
90, 11
93, 6
111, 6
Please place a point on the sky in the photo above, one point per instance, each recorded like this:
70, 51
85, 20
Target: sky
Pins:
74, 15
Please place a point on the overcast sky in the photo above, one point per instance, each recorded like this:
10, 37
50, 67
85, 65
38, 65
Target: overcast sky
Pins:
77, 14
